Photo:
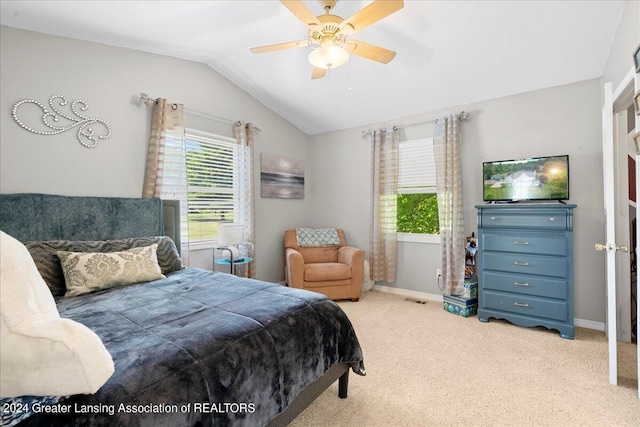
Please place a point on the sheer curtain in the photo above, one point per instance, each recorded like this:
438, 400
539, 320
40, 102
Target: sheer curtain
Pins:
244, 136
382, 238
446, 146
166, 171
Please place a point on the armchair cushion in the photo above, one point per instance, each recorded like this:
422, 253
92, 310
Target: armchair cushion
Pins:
316, 254
326, 271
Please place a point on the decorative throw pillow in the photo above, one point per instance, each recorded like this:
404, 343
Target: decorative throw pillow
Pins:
42, 354
316, 237
45, 255
91, 271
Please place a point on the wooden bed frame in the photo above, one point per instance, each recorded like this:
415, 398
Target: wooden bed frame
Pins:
31, 216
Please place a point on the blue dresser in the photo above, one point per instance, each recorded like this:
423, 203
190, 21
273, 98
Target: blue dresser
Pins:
525, 265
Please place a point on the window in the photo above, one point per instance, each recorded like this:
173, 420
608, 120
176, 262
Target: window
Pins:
417, 217
212, 185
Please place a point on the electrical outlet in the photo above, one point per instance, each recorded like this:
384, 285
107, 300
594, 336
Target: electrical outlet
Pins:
438, 273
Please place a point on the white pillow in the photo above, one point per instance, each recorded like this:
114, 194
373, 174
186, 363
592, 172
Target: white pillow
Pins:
42, 354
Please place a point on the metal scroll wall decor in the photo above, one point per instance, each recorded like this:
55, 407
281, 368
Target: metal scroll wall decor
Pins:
52, 115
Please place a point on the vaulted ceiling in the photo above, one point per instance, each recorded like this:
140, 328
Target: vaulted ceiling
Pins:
449, 53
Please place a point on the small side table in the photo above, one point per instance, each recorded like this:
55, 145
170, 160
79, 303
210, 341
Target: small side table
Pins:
232, 263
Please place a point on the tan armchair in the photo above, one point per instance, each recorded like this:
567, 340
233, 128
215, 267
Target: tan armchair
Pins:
335, 271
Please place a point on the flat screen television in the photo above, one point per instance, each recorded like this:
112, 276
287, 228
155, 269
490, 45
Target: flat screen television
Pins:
536, 178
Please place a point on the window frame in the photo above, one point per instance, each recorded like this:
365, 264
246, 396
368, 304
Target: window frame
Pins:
418, 237
209, 137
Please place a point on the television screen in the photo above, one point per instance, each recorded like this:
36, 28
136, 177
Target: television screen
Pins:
538, 178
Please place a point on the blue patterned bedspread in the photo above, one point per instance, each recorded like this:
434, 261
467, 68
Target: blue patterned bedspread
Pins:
205, 348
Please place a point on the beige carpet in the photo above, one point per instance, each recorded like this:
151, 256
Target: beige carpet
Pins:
427, 367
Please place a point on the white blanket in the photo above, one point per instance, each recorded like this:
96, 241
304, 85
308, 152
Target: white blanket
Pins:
42, 354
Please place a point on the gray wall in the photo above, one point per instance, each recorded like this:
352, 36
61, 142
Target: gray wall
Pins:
559, 120
36, 66
627, 37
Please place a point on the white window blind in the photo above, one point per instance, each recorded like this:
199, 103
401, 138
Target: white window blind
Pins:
416, 167
212, 183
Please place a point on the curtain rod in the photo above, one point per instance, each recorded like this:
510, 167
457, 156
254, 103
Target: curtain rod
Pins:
147, 100
462, 116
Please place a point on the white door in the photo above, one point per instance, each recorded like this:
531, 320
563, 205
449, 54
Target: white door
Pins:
622, 152
636, 249
610, 232
629, 83
636, 85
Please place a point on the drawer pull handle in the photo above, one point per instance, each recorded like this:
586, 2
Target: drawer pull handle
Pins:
520, 243
493, 218
519, 304
525, 264
552, 219
526, 285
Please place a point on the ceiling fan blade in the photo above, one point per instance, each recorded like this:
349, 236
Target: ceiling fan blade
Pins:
370, 14
279, 46
369, 51
302, 12
318, 73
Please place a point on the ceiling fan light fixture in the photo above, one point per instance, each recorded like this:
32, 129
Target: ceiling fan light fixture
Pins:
326, 34
328, 57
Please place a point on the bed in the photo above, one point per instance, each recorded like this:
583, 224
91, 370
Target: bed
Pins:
195, 348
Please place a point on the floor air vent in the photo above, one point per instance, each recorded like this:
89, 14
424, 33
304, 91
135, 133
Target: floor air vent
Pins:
416, 301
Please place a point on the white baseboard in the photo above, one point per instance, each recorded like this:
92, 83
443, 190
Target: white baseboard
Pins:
408, 293
589, 324
581, 323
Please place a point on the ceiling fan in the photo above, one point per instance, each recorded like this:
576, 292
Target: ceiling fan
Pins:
328, 34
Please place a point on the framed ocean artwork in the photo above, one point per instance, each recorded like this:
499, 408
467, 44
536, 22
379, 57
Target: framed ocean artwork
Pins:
281, 177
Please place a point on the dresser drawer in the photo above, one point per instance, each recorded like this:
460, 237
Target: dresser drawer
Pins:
525, 285
525, 305
525, 264
529, 243
543, 220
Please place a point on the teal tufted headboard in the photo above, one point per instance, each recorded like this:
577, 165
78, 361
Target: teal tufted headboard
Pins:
33, 216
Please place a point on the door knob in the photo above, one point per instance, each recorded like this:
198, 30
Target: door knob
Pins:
611, 247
